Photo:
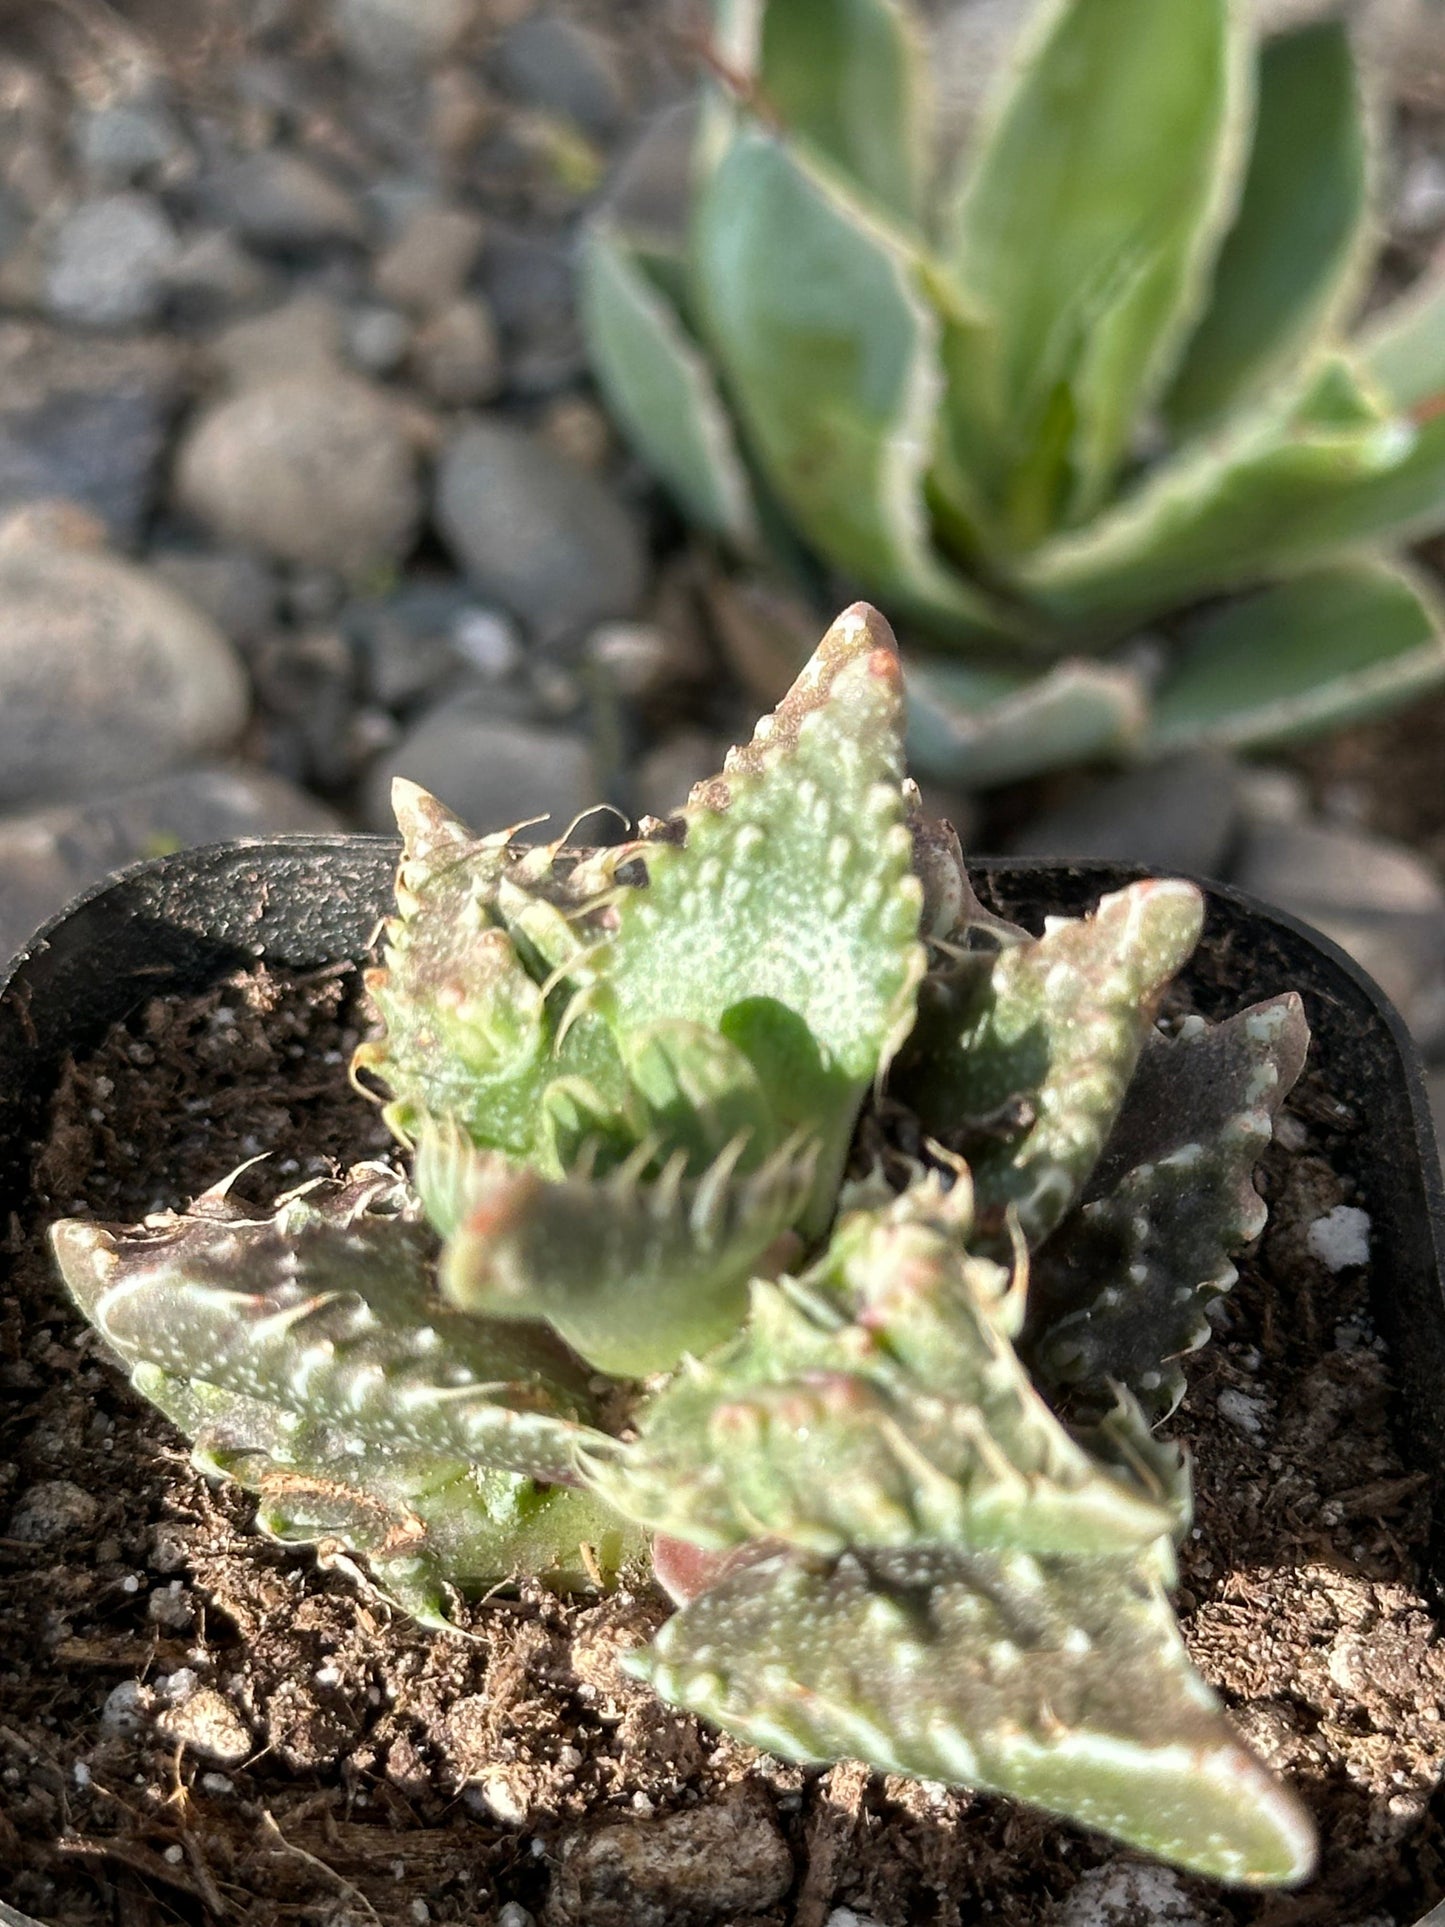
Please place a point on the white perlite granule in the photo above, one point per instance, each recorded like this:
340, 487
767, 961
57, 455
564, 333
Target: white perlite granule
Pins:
1111, 1896
1341, 1237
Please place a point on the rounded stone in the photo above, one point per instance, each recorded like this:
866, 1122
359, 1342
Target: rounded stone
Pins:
314, 471
109, 262
105, 675
549, 541
280, 201
385, 37
492, 772
52, 1510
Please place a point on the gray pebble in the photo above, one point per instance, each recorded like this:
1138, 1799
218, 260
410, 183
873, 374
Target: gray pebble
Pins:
234, 588
1376, 899
455, 355
382, 36
211, 276
126, 141
720, 1859
302, 336
666, 774
85, 422
428, 263
1177, 816
547, 540
281, 201
311, 469
49, 856
377, 339
491, 771
558, 64
109, 262
105, 674
126, 1711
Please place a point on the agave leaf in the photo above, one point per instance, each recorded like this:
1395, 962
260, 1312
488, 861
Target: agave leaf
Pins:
977, 727
829, 352
1059, 1681
1307, 654
1300, 241
1089, 217
846, 76
1297, 481
324, 1312
660, 387
788, 919
1403, 347
1118, 1295
427, 1524
930, 1429
1021, 1060
632, 1270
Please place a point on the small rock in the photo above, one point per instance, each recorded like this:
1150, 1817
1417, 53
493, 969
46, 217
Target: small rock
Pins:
1175, 816
1376, 899
206, 1722
211, 276
428, 264
234, 588
282, 202
1341, 1238
528, 284
52, 1510
303, 336
455, 355
313, 470
644, 660
558, 64
1123, 1895
377, 339
1268, 795
126, 1711
104, 672
49, 856
84, 422
514, 1914
548, 541
383, 36
665, 775
491, 771
724, 1858
1420, 203
846, 1917
126, 141
109, 262
578, 430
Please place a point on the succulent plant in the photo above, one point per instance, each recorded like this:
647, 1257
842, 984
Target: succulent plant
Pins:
775, 1211
1083, 412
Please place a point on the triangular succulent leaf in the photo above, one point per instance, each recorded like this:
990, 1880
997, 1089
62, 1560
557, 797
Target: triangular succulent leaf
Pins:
1286, 487
846, 77
1300, 239
977, 727
633, 1269
1403, 347
324, 1312
658, 383
429, 1526
1090, 213
1021, 1061
1336, 644
789, 915
1119, 1294
1060, 1681
898, 1376
812, 307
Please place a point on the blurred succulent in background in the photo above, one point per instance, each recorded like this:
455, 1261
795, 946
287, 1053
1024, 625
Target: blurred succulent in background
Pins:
1084, 414
776, 1210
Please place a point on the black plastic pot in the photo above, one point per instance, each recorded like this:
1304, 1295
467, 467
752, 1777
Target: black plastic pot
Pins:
179, 923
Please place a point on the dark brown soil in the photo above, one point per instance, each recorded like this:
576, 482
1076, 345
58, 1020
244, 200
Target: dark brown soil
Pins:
198, 1726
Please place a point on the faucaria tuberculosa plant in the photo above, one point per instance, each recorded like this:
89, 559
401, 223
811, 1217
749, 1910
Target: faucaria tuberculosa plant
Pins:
1084, 408
776, 1211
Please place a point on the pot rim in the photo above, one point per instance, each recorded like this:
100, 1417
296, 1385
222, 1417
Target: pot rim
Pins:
1400, 1064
